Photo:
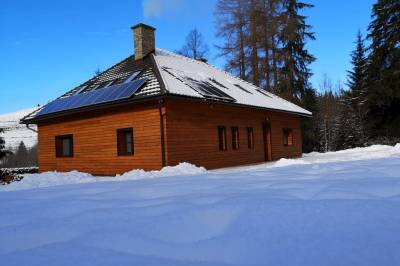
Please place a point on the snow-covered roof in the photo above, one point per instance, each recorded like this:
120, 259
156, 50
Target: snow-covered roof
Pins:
178, 71
181, 76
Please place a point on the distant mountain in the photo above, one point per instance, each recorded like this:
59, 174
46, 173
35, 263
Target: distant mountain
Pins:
14, 132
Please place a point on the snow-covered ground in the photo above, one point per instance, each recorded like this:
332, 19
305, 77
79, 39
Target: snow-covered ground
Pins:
14, 132
338, 208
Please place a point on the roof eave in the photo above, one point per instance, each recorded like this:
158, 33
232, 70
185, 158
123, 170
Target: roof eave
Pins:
236, 104
137, 99
36, 120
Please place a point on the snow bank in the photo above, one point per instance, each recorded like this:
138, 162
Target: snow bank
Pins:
180, 169
367, 153
49, 179
287, 162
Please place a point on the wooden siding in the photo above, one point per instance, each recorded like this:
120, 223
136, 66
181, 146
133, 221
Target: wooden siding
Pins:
95, 140
192, 134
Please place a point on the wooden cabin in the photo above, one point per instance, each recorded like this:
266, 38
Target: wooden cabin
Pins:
155, 109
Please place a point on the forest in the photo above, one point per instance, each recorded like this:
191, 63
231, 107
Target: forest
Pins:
265, 42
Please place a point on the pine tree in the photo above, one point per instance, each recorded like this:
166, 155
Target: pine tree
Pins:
22, 152
349, 133
21, 157
195, 47
309, 125
352, 103
3, 152
383, 92
356, 80
296, 59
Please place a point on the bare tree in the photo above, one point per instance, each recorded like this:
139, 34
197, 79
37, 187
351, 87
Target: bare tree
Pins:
328, 113
232, 23
195, 46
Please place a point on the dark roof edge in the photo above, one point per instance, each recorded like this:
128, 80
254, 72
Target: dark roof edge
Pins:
136, 99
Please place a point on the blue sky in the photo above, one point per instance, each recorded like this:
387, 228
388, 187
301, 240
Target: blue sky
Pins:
48, 47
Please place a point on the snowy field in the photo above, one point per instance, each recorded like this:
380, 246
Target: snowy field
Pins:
14, 132
339, 208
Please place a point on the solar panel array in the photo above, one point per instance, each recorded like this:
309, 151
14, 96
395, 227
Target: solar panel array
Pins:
104, 84
208, 90
108, 94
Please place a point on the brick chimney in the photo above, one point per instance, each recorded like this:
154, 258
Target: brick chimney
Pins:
143, 39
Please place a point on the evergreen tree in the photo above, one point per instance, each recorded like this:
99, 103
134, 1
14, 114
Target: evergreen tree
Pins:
3, 152
21, 157
352, 103
22, 152
356, 80
383, 92
296, 59
195, 46
349, 134
309, 125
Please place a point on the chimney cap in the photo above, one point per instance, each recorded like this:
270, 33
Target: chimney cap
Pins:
143, 25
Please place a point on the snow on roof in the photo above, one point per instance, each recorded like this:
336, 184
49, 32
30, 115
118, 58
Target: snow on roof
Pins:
185, 77
176, 70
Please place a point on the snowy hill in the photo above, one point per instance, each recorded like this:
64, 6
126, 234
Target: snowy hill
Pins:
340, 208
14, 132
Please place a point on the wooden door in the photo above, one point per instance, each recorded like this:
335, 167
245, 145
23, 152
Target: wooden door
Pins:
267, 141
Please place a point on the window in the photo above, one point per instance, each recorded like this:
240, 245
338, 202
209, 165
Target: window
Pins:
125, 141
222, 138
287, 137
235, 138
64, 146
250, 138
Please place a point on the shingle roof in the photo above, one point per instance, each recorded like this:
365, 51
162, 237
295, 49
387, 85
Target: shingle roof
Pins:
119, 73
185, 77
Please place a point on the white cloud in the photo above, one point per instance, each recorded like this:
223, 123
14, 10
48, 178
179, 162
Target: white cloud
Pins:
157, 8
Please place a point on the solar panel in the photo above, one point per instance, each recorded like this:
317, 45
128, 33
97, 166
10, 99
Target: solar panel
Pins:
208, 90
132, 77
243, 89
219, 83
264, 93
108, 94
